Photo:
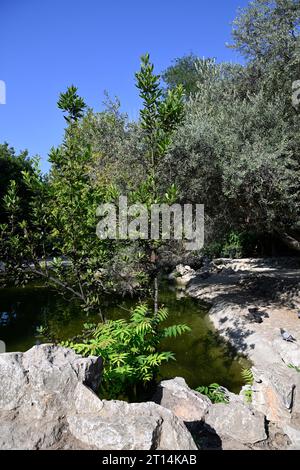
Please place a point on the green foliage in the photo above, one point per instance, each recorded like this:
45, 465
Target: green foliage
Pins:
214, 392
11, 168
22, 239
248, 395
296, 368
237, 149
233, 246
61, 224
130, 349
267, 30
186, 71
71, 103
159, 117
63, 220
248, 377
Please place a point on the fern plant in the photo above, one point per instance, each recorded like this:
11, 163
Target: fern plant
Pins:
215, 392
129, 349
248, 377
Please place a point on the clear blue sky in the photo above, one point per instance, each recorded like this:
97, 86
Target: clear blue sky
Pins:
46, 45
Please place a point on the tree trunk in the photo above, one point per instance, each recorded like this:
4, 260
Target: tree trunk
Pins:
289, 241
155, 295
153, 259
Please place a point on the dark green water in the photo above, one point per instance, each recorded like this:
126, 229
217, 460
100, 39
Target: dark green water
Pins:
202, 357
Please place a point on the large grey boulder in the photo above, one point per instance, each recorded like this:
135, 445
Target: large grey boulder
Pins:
185, 403
236, 421
44, 371
47, 401
122, 426
274, 392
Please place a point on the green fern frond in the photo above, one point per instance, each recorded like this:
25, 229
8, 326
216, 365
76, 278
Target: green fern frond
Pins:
248, 376
139, 313
144, 327
214, 392
162, 315
175, 330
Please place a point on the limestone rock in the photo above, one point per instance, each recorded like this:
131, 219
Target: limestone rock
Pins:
289, 352
47, 402
48, 363
135, 426
236, 421
187, 404
13, 379
273, 392
294, 434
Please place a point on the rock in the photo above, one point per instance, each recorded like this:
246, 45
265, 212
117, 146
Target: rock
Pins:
28, 434
37, 390
135, 426
86, 401
13, 380
273, 392
47, 401
185, 403
232, 444
183, 274
289, 352
47, 364
236, 421
278, 438
294, 435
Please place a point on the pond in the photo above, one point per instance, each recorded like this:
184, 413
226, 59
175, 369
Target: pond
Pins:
201, 355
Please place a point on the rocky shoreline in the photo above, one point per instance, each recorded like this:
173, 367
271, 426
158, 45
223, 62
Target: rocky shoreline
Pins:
48, 400
272, 289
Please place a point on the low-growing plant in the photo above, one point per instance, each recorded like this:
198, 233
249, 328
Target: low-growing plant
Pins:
248, 377
130, 349
215, 392
248, 395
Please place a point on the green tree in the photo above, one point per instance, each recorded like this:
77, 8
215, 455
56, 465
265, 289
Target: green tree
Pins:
159, 118
267, 31
189, 71
58, 243
11, 167
238, 148
183, 72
